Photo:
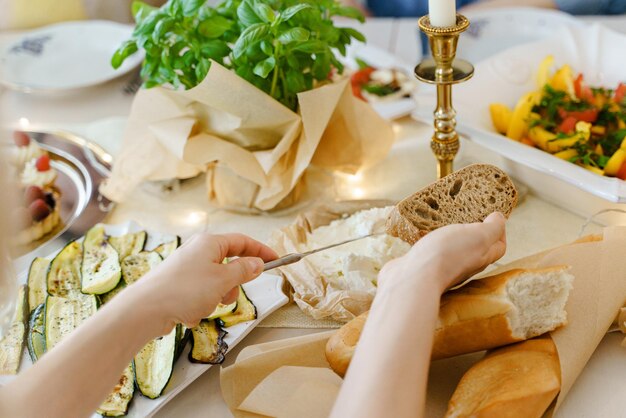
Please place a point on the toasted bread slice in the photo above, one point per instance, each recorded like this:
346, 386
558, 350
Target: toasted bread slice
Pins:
465, 196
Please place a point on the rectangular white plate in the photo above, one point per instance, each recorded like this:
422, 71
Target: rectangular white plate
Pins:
265, 292
596, 52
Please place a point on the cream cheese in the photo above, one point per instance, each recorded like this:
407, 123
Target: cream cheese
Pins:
355, 265
33, 177
22, 155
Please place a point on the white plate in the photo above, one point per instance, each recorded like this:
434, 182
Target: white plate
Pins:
379, 58
596, 52
494, 30
65, 56
265, 292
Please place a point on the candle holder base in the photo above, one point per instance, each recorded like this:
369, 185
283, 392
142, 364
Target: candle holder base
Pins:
461, 71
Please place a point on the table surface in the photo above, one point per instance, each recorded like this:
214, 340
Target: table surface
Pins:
99, 113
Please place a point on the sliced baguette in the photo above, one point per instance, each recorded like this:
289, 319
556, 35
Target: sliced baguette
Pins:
487, 313
465, 196
517, 381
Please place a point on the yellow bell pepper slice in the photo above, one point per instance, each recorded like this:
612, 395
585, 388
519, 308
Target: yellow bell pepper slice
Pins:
519, 120
500, 116
563, 80
599, 150
594, 169
548, 141
623, 145
543, 73
567, 154
541, 137
615, 162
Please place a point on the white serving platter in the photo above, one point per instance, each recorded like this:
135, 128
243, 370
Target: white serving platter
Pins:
265, 292
597, 52
65, 57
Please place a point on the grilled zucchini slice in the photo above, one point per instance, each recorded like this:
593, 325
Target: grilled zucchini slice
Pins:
111, 294
63, 278
134, 267
245, 311
182, 336
100, 269
116, 404
36, 333
62, 316
12, 345
221, 310
129, 244
207, 343
167, 248
37, 286
154, 365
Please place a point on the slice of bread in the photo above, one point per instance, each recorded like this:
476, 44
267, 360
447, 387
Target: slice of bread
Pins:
465, 196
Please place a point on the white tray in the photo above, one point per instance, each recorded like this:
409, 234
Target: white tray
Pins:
265, 292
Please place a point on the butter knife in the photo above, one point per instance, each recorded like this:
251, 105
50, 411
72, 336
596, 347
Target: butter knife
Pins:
295, 257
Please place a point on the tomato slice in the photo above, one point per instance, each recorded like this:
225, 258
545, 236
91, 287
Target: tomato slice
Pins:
362, 76
568, 125
621, 173
356, 92
581, 90
620, 92
587, 115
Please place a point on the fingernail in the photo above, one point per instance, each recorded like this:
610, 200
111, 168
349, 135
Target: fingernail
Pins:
257, 265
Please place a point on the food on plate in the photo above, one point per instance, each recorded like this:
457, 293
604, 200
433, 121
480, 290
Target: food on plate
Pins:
354, 265
25, 149
465, 196
517, 381
38, 215
39, 172
207, 343
573, 121
12, 344
93, 264
374, 84
509, 307
100, 269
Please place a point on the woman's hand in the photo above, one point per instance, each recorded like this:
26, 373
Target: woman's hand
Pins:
452, 253
190, 283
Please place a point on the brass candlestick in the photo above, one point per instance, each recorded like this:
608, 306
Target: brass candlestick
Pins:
444, 71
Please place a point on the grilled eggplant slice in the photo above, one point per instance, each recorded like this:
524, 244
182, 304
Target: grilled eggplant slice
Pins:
245, 311
37, 286
116, 404
154, 365
12, 345
222, 310
167, 248
207, 343
129, 244
63, 278
37, 333
100, 269
62, 316
135, 266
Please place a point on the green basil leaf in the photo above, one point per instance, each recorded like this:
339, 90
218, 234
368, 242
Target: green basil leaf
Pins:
350, 12
294, 35
214, 27
251, 35
214, 49
246, 14
353, 33
190, 7
293, 61
202, 68
148, 23
295, 81
321, 66
140, 10
263, 68
267, 48
124, 51
265, 12
312, 46
289, 12
174, 7
160, 30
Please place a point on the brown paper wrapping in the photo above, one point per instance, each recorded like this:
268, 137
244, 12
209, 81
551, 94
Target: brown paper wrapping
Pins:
315, 295
598, 294
253, 149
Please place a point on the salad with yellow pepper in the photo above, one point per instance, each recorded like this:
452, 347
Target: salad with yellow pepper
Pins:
573, 121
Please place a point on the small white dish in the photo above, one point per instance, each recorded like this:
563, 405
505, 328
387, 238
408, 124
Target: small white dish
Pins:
65, 57
494, 30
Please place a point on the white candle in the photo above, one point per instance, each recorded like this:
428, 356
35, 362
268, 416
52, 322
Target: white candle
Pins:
442, 13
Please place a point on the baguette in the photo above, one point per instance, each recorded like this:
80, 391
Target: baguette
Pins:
465, 196
517, 381
506, 308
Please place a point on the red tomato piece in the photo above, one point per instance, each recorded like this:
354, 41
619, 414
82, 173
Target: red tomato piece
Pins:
362, 76
620, 92
568, 125
587, 115
582, 90
43, 163
356, 92
621, 173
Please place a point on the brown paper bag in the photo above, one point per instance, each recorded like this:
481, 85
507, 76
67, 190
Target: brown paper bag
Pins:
254, 149
313, 293
598, 293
